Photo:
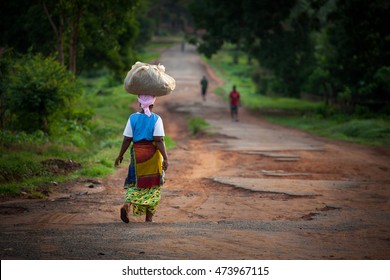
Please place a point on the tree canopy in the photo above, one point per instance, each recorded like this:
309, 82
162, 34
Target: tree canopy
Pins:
83, 33
340, 47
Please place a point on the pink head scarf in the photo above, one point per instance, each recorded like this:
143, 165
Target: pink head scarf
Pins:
146, 101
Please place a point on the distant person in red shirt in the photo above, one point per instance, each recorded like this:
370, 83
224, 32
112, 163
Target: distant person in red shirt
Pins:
234, 96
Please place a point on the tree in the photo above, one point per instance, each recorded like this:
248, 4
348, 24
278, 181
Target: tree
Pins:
357, 29
83, 23
109, 34
81, 32
272, 31
340, 46
5, 68
170, 15
288, 52
24, 27
58, 30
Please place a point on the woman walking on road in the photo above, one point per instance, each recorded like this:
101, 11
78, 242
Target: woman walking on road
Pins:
149, 161
144, 135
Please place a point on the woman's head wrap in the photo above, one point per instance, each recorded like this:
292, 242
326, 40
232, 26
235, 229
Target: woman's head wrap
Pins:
146, 101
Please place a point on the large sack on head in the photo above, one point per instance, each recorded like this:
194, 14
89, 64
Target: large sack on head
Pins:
149, 79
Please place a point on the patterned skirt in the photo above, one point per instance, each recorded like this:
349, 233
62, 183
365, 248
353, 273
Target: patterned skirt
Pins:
145, 178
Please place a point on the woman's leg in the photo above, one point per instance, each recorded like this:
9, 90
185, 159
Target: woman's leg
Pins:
149, 216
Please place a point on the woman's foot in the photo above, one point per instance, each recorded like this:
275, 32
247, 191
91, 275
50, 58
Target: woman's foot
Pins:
149, 217
124, 214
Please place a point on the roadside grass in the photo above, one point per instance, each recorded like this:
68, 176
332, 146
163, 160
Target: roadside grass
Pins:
293, 112
374, 132
197, 125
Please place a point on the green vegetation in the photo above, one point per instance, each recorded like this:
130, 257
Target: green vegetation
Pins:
197, 125
240, 73
82, 33
363, 131
39, 91
92, 144
333, 50
87, 35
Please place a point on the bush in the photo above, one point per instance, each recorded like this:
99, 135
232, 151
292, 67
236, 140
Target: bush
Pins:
8, 138
39, 88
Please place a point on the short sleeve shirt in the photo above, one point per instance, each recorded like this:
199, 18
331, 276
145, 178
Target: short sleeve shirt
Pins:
234, 98
141, 127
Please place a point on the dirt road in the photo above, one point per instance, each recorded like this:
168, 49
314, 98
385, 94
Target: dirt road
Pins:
247, 190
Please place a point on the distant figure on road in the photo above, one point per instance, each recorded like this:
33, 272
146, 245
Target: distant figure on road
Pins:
234, 97
204, 83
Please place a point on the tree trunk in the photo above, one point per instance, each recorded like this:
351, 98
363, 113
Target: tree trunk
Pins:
2, 110
72, 52
249, 59
45, 124
58, 32
326, 95
333, 97
60, 41
74, 36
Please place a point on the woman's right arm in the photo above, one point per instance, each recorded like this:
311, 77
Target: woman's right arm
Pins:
125, 145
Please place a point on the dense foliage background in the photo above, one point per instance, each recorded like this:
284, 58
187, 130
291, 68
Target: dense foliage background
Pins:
335, 49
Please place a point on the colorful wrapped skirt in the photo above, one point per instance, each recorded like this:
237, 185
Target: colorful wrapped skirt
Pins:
145, 178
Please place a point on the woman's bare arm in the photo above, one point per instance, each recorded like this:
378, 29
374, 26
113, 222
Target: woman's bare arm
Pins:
161, 147
125, 145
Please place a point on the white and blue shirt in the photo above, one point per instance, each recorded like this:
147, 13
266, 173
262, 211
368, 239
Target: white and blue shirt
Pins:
141, 127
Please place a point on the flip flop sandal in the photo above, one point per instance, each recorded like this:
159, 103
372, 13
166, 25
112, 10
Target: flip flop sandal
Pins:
124, 216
